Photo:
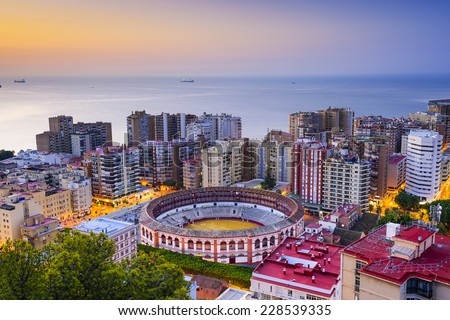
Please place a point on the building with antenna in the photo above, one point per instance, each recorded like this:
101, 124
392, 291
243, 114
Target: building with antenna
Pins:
397, 262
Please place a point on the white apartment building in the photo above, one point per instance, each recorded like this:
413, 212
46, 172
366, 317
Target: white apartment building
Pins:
346, 179
215, 127
423, 164
222, 164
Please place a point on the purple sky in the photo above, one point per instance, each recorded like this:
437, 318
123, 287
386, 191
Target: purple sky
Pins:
195, 37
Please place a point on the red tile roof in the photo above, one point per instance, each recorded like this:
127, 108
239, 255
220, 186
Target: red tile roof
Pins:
416, 235
432, 264
294, 262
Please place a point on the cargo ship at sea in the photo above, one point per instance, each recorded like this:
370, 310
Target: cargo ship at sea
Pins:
19, 81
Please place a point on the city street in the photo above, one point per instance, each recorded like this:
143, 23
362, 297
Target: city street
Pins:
129, 201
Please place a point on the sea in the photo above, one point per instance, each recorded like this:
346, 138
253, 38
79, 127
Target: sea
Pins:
263, 103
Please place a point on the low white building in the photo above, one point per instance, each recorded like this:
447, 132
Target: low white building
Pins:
123, 233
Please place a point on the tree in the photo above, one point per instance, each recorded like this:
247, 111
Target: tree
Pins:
396, 216
269, 182
20, 271
170, 183
407, 201
80, 266
90, 257
6, 154
149, 276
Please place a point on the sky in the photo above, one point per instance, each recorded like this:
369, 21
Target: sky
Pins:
204, 37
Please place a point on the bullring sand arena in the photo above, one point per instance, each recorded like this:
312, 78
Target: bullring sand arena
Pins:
221, 224
230, 225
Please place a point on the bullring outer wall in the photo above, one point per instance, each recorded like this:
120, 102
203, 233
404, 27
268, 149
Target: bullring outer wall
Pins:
246, 246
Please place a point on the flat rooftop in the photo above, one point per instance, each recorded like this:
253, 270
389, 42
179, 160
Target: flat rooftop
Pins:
295, 261
395, 159
103, 225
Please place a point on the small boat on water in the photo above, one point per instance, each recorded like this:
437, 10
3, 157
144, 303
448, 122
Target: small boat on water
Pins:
187, 80
19, 81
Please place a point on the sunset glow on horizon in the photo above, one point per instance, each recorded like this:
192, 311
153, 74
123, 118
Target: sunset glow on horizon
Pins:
222, 37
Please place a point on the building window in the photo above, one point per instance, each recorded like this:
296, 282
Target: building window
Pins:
311, 297
419, 287
357, 282
360, 264
264, 243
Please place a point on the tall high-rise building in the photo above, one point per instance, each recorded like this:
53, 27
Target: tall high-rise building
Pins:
49, 142
61, 139
377, 153
423, 164
160, 161
377, 126
225, 163
307, 172
63, 125
433, 121
138, 128
168, 127
192, 173
215, 127
301, 124
442, 107
346, 179
396, 172
276, 156
336, 120
115, 171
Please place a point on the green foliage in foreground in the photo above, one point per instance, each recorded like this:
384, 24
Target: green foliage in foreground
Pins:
233, 274
79, 266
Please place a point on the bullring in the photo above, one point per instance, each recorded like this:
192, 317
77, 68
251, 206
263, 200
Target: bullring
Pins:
163, 222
